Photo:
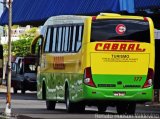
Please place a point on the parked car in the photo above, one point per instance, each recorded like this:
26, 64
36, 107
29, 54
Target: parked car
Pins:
24, 74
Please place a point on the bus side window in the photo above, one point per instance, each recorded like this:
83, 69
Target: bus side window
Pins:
78, 45
73, 39
66, 39
69, 39
59, 39
54, 39
47, 42
79, 42
63, 38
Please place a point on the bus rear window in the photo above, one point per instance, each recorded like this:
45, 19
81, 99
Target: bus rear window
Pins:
120, 30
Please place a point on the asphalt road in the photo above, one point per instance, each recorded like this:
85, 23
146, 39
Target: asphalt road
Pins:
26, 106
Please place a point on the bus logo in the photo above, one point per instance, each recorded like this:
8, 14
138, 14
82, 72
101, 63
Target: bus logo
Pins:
119, 47
120, 29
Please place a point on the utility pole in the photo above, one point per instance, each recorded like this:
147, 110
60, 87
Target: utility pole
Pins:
8, 96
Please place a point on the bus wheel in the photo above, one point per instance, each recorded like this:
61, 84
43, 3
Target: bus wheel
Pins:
131, 108
44, 91
50, 105
15, 90
101, 108
80, 107
121, 108
69, 105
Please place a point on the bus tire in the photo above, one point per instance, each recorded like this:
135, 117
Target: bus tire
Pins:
131, 108
121, 108
126, 108
44, 91
69, 105
79, 107
101, 108
50, 105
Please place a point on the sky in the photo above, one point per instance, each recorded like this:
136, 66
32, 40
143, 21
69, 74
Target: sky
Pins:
1, 7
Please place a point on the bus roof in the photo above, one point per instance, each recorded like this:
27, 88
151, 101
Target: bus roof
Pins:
62, 19
117, 16
67, 19
75, 19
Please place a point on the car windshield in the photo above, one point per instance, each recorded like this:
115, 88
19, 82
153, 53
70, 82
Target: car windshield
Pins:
29, 65
29, 68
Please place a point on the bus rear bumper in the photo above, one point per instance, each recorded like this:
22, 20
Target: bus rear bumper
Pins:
138, 95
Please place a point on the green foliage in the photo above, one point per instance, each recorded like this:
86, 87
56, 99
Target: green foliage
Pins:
30, 34
5, 49
22, 47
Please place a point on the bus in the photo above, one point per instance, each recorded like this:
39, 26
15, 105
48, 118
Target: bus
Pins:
1, 63
104, 60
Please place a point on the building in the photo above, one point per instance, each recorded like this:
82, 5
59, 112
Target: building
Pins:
1, 11
15, 34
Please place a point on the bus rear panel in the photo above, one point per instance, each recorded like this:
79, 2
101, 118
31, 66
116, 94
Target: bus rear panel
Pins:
121, 61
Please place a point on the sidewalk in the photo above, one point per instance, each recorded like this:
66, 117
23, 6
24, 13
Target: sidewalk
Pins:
152, 104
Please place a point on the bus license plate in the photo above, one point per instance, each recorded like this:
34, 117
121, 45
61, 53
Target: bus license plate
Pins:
119, 93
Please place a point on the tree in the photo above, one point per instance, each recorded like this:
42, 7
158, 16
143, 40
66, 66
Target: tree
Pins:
22, 47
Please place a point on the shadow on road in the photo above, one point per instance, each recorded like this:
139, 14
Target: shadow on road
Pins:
19, 96
58, 113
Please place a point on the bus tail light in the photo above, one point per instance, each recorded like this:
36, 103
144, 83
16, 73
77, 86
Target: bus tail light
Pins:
94, 18
88, 77
149, 80
145, 19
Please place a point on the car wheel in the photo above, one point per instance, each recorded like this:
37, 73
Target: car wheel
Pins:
15, 90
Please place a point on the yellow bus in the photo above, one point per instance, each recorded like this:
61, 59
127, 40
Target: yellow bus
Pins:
104, 60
